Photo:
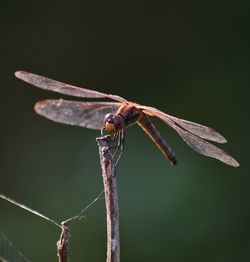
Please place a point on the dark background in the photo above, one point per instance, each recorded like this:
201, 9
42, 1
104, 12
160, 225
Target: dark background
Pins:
189, 59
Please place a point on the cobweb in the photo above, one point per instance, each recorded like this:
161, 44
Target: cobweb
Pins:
9, 252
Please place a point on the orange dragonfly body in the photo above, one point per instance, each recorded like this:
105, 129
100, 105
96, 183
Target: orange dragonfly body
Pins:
116, 116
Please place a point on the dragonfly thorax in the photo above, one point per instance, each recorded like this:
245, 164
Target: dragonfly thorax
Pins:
113, 122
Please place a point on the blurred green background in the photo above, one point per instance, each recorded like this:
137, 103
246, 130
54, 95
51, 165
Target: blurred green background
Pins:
187, 58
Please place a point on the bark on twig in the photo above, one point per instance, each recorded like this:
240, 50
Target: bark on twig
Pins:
111, 199
63, 242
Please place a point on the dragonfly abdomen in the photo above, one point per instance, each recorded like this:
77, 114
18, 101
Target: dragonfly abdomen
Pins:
146, 124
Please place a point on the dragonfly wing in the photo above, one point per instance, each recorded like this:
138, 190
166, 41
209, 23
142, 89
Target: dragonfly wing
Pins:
56, 86
205, 148
194, 139
200, 130
76, 113
194, 128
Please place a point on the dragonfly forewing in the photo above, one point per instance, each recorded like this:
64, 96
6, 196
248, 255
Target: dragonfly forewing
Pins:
62, 88
76, 113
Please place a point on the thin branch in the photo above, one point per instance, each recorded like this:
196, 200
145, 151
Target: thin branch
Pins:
111, 199
63, 243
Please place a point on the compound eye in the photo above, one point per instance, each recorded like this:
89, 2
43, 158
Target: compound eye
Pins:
109, 118
118, 121
113, 122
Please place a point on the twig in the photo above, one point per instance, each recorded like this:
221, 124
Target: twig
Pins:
63, 243
111, 199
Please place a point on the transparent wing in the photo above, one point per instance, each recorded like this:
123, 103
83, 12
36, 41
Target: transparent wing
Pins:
200, 130
55, 86
194, 128
205, 148
192, 139
84, 114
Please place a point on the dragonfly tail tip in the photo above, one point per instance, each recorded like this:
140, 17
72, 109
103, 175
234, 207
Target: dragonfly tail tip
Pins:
174, 162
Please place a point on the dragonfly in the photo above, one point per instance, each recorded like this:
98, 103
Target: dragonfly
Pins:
115, 116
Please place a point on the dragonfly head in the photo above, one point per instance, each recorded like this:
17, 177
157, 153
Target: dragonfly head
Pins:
113, 122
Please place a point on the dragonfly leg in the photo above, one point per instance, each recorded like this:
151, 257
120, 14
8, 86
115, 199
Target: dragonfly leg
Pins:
106, 135
104, 132
119, 137
120, 146
116, 136
122, 140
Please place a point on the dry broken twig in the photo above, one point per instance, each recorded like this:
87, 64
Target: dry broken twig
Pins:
63, 243
111, 199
